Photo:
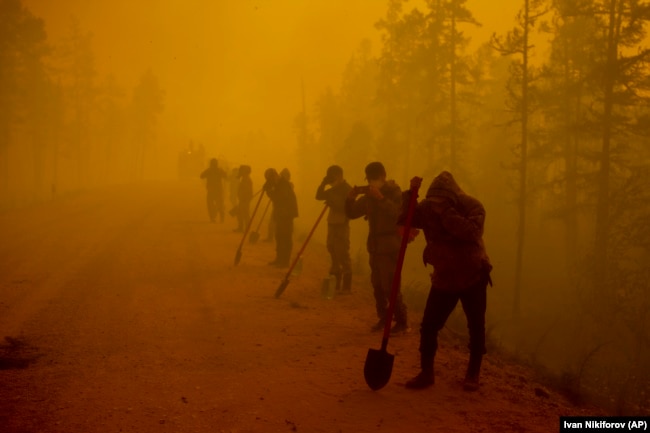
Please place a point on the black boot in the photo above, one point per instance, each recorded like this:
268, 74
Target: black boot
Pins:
473, 369
425, 378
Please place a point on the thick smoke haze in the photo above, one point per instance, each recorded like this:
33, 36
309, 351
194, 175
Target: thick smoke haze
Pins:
544, 119
232, 68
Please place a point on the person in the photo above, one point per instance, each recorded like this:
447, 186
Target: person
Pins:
452, 222
244, 197
381, 206
338, 226
233, 183
214, 176
285, 209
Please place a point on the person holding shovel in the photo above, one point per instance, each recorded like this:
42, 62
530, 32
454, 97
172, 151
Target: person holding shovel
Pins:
452, 222
338, 227
380, 204
285, 209
244, 197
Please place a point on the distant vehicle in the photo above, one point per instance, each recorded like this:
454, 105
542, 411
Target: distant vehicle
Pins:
191, 161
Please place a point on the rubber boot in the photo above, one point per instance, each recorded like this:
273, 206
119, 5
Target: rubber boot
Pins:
425, 378
471, 382
346, 287
402, 324
338, 282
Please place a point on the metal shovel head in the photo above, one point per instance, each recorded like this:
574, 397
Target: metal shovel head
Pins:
254, 237
378, 368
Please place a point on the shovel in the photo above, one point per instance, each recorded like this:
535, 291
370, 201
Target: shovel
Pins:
248, 227
379, 363
285, 281
255, 236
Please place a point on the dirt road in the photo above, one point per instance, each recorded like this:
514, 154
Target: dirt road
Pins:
121, 311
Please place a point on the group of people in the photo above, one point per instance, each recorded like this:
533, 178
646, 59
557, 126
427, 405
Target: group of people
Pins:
452, 222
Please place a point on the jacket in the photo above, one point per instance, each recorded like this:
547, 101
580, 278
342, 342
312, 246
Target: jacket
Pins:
382, 215
452, 222
335, 197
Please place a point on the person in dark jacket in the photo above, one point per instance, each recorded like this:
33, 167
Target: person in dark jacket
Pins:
244, 197
338, 226
285, 209
214, 177
233, 184
452, 222
381, 206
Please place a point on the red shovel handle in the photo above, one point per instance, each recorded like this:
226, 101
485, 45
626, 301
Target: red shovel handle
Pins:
413, 200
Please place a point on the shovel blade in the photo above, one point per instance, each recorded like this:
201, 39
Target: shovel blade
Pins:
378, 368
283, 285
254, 237
237, 257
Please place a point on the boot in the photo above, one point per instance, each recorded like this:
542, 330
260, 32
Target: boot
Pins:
400, 327
473, 368
338, 282
379, 326
346, 287
402, 322
425, 378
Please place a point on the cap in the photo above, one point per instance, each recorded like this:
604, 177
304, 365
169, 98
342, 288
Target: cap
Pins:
375, 170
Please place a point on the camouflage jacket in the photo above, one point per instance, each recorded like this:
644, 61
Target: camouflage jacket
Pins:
382, 215
335, 197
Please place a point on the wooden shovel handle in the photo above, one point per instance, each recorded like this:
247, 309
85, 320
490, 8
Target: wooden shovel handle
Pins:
413, 200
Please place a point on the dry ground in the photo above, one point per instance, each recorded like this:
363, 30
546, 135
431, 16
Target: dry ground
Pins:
121, 311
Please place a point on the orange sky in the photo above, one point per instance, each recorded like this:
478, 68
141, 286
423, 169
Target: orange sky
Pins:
229, 67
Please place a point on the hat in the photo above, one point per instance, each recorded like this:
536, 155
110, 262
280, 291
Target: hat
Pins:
375, 170
285, 173
334, 170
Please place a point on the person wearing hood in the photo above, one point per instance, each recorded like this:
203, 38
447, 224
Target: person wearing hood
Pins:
333, 190
214, 176
380, 205
452, 222
244, 197
285, 209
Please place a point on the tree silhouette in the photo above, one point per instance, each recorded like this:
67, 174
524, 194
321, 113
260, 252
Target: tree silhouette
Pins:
148, 104
22, 51
517, 43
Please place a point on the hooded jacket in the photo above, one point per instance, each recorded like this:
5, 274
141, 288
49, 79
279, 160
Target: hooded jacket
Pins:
335, 197
452, 222
382, 215
285, 205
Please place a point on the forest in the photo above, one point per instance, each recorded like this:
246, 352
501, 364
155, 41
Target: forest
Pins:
548, 124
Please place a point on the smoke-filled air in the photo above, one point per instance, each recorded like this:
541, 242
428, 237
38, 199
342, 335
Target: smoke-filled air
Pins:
324, 215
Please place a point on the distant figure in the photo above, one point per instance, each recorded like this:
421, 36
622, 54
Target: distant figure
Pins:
233, 183
214, 177
338, 227
244, 196
381, 205
285, 209
453, 227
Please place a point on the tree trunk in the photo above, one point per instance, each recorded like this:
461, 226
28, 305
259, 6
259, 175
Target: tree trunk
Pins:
602, 206
452, 94
523, 169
